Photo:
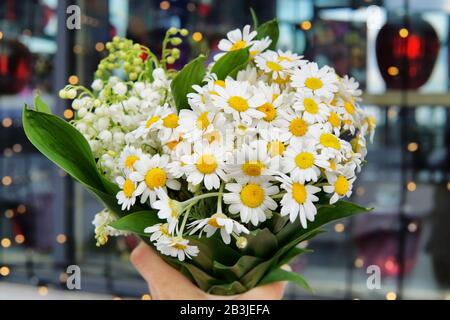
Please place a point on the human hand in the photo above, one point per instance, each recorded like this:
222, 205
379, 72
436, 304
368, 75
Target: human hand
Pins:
166, 283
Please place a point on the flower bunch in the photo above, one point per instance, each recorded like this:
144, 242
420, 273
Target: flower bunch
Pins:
248, 155
271, 139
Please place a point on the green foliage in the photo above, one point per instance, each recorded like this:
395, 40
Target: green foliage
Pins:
230, 63
269, 29
192, 74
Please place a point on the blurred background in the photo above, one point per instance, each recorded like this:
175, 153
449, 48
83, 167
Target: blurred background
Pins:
397, 50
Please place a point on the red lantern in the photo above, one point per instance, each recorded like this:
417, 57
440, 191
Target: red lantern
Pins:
406, 55
15, 70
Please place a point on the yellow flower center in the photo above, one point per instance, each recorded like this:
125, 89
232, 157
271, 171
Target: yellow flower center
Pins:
206, 164
171, 121
275, 96
330, 141
304, 160
130, 160
173, 207
164, 230
252, 195
332, 165
349, 107
212, 136
253, 168
285, 58
356, 147
203, 121
269, 110
334, 120
310, 105
299, 192
220, 83
238, 103
238, 45
276, 148
298, 127
128, 188
273, 66
172, 144
279, 80
151, 121
341, 186
313, 83
155, 178
179, 246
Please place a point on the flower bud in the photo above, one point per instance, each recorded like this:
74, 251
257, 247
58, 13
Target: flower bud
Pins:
241, 242
172, 30
175, 41
71, 94
62, 94
184, 32
170, 60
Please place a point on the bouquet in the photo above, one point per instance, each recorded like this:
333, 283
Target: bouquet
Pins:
224, 168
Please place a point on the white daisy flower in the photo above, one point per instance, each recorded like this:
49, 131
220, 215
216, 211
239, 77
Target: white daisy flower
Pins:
236, 40
128, 193
205, 165
298, 200
176, 247
273, 101
158, 231
168, 209
249, 74
349, 88
237, 99
340, 185
321, 82
277, 141
302, 161
259, 46
270, 63
218, 221
128, 158
251, 163
151, 174
154, 122
334, 122
314, 109
291, 57
296, 127
252, 201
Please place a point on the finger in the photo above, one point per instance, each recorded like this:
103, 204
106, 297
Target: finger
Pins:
164, 281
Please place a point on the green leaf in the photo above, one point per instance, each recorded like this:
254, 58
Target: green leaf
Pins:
231, 62
136, 222
261, 243
40, 105
269, 29
254, 18
232, 288
64, 145
237, 270
284, 275
192, 74
291, 254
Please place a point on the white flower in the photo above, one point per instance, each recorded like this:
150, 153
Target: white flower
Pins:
298, 200
348, 88
259, 46
251, 163
154, 122
205, 164
176, 247
321, 82
97, 85
158, 231
120, 88
296, 128
218, 221
272, 104
276, 141
151, 174
340, 185
270, 63
168, 209
236, 98
302, 161
314, 109
128, 158
293, 58
236, 39
128, 193
103, 229
252, 201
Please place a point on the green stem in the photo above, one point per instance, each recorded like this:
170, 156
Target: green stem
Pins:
278, 196
183, 224
199, 197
